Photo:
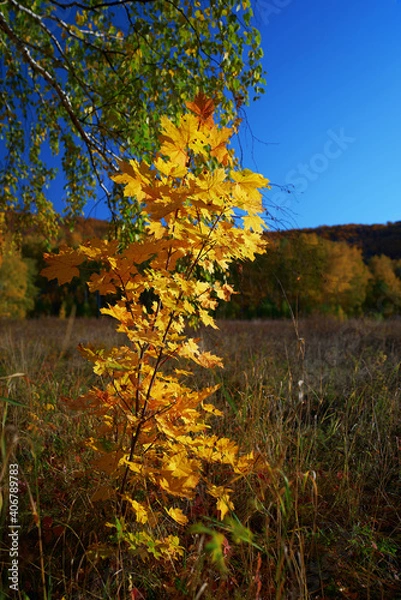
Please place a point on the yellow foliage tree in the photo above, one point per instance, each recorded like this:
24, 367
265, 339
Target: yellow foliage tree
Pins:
17, 291
385, 287
346, 278
200, 216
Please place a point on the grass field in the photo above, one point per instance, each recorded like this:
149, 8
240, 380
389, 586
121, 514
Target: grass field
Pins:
319, 402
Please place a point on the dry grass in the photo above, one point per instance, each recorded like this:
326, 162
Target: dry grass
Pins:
324, 507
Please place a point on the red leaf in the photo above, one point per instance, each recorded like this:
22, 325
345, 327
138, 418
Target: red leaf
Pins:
47, 522
137, 595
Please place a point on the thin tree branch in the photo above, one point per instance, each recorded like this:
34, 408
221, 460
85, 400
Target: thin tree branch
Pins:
90, 142
100, 5
56, 43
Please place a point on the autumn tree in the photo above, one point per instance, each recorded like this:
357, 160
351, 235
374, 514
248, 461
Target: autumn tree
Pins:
345, 279
89, 80
384, 294
17, 289
299, 279
288, 277
304, 273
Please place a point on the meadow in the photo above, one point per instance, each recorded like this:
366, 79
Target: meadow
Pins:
317, 400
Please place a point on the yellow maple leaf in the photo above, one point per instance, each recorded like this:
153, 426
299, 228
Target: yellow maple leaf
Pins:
157, 229
180, 474
175, 140
224, 292
97, 249
171, 547
226, 451
218, 142
210, 186
182, 487
180, 466
245, 463
210, 408
177, 515
119, 312
207, 319
246, 190
141, 513
170, 168
140, 252
189, 348
134, 466
135, 176
222, 494
250, 181
254, 222
209, 361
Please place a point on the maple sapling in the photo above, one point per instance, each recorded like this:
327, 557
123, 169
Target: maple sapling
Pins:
200, 215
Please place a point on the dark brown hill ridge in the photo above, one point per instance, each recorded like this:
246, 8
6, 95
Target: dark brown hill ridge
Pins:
372, 239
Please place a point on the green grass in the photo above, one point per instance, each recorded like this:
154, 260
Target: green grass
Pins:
324, 506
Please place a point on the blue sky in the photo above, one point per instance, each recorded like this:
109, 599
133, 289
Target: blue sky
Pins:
331, 112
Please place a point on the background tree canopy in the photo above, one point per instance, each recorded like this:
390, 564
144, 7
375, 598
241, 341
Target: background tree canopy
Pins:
89, 79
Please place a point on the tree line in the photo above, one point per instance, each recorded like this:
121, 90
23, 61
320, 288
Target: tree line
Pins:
302, 273
305, 273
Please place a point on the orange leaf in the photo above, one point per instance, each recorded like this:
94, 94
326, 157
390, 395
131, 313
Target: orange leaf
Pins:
62, 266
103, 493
203, 107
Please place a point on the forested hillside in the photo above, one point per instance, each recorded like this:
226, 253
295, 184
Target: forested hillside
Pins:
372, 239
23, 291
345, 270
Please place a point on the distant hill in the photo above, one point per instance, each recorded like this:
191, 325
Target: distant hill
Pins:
79, 229
303, 272
372, 239
84, 229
